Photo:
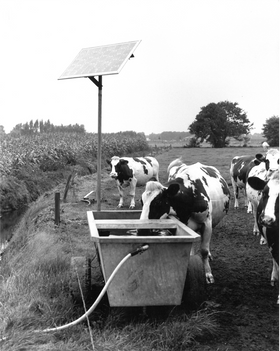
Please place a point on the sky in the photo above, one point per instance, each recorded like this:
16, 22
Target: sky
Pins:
192, 53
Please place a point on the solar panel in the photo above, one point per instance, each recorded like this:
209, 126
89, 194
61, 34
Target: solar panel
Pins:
100, 60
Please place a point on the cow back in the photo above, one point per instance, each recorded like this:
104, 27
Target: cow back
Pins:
194, 191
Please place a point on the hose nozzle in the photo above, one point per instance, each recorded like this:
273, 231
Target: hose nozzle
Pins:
139, 250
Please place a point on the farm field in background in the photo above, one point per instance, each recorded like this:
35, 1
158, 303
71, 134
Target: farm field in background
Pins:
255, 141
47, 149
33, 164
219, 158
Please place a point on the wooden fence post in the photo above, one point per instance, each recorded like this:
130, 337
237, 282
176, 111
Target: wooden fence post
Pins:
67, 187
57, 208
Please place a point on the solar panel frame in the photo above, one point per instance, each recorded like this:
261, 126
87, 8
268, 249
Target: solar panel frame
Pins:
100, 60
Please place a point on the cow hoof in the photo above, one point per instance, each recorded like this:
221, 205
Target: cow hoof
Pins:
209, 278
131, 207
119, 206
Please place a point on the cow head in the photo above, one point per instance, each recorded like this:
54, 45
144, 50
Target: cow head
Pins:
268, 208
158, 199
120, 170
271, 160
154, 201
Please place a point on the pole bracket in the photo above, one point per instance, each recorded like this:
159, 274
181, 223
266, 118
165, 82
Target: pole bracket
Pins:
96, 82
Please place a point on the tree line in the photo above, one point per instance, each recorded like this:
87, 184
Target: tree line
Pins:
169, 136
32, 128
216, 123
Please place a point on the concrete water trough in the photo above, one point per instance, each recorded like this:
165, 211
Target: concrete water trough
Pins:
155, 277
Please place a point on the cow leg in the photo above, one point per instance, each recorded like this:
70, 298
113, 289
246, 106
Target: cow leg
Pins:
275, 272
120, 205
235, 193
256, 228
263, 240
205, 251
249, 208
132, 193
248, 203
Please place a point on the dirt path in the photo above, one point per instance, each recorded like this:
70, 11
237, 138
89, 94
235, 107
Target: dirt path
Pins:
242, 268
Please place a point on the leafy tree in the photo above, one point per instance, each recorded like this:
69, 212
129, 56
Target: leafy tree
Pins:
31, 127
216, 123
2, 130
36, 126
25, 129
194, 142
271, 130
16, 131
41, 126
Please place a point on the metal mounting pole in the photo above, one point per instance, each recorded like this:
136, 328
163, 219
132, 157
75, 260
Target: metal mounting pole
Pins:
99, 150
98, 83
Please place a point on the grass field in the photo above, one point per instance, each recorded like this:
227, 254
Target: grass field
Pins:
219, 158
255, 141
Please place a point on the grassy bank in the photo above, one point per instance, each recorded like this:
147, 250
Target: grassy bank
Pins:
39, 289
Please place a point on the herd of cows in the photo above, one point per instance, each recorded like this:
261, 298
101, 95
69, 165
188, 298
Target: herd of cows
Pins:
199, 196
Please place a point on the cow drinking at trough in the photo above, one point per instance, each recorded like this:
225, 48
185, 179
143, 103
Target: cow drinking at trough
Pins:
268, 216
239, 169
197, 194
132, 171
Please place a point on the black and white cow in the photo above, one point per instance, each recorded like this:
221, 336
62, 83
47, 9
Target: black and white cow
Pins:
132, 171
265, 166
239, 169
198, 195
271, 161
268, 216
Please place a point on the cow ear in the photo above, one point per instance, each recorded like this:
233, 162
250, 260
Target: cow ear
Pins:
256, 183
257, 162
260, 157
123, 162
173, 189
109, 162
